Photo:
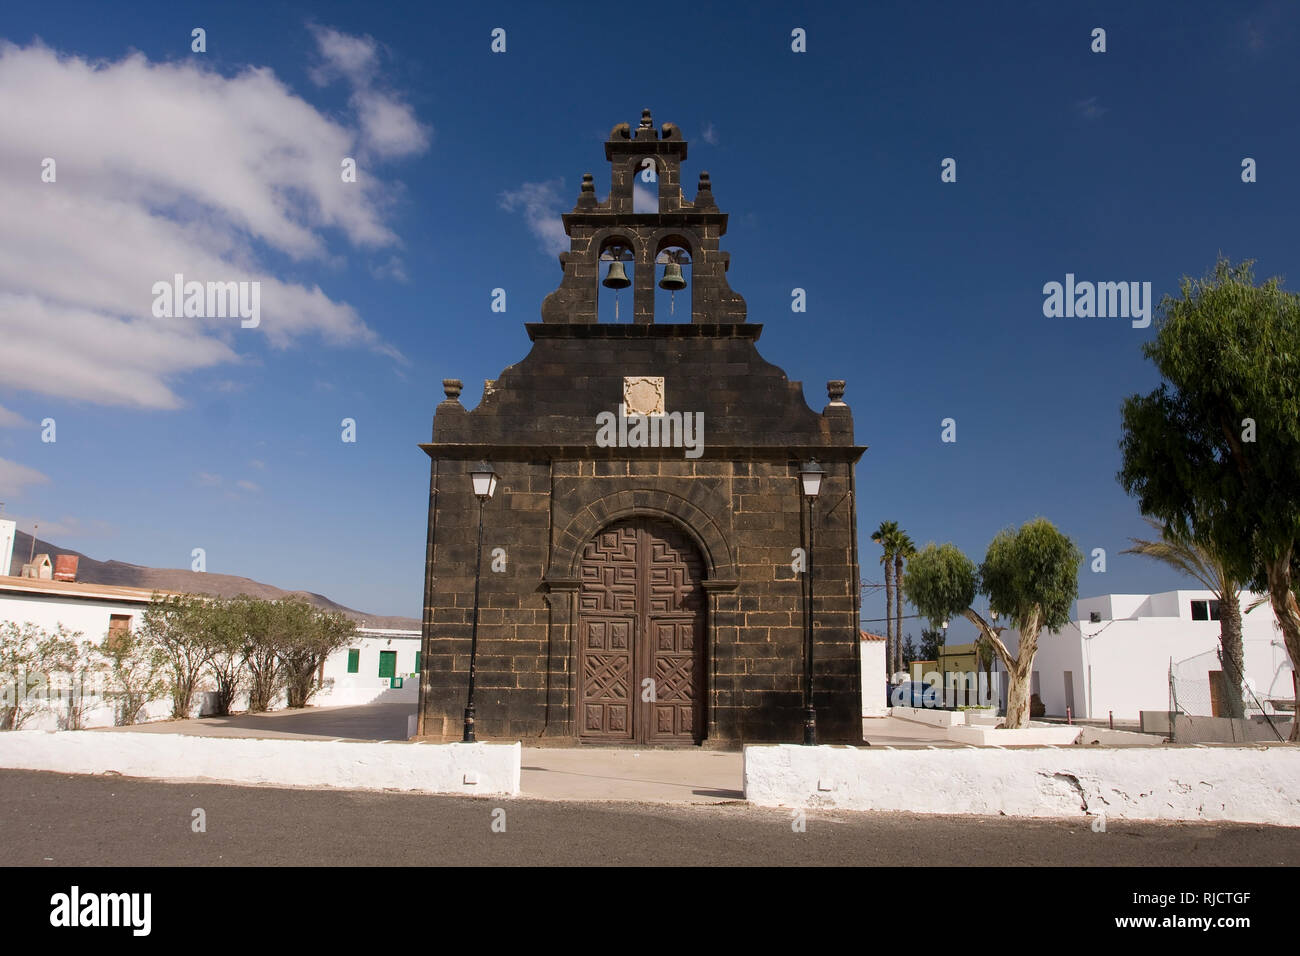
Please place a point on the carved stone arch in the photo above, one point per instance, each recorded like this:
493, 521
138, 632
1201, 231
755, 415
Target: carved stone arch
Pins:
694, 518
669, 236
602, 239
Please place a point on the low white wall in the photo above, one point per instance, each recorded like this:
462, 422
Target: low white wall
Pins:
985, 735
431, 768
1243, 784
935, 718
874, 702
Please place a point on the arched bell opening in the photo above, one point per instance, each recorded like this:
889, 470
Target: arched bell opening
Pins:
673, 285
645, 186
617, 272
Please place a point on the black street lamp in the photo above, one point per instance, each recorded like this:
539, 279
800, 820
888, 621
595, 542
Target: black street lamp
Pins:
810, 476
485, 483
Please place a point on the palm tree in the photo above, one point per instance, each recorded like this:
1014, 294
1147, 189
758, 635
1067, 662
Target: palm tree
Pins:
1199, 561
885, 536
904, 548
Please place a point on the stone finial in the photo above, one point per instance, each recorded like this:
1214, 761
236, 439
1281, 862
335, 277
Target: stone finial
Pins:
704, 193
451, 388
587, 196
646, 130
835, 391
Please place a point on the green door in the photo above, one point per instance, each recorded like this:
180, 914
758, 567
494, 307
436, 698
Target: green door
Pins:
388, 663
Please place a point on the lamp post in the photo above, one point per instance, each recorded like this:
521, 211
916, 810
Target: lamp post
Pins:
485, 483
810, 477
943, 665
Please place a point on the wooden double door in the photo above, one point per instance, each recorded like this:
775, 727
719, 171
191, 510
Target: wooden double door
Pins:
641, 626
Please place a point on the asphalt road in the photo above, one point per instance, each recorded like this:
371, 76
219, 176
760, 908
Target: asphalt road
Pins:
49, 819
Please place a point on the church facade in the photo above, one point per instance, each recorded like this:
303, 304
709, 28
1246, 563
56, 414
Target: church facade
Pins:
641, 580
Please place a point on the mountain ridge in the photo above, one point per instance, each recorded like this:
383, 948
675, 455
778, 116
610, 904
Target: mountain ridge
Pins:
122, 574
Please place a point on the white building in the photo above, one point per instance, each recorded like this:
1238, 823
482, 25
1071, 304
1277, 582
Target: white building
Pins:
1117, 655
8, 532
872, 656
380, 665
93, 610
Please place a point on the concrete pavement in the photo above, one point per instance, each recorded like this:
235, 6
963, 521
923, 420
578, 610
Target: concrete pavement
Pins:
689, 776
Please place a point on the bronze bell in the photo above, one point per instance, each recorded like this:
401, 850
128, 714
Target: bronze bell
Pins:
672, 280
616, 278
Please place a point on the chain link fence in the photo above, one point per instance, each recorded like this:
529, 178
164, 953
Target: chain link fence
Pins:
1199, 686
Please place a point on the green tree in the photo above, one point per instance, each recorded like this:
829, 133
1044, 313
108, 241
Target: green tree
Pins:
1198, 561
1030, 576
226, 626
1213, 453
135, 675
910, 652
304, 646
931, 642
29, 655
885, 536
174, 624
263, 624
77, 662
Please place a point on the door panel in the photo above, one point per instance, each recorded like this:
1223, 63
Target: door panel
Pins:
607, 698
641, 625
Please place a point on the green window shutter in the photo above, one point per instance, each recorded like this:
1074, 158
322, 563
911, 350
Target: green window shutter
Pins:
417, 662
354, 661
388, 663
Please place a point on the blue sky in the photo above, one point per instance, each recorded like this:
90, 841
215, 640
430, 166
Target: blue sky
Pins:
925, 296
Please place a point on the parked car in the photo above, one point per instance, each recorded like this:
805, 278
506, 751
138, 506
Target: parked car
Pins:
915, 693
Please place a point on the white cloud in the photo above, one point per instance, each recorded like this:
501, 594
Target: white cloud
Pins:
1090, 109
389, 127
15, 477
709, 134
11, 419
207, 479
394, 268
248, 485
353, 57
64, 527
541, 206
645, 198
167, 168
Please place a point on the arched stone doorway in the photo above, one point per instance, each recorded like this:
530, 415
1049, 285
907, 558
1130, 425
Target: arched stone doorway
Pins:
642, 634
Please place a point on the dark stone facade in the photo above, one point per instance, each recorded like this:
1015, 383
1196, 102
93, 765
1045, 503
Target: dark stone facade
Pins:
737, 502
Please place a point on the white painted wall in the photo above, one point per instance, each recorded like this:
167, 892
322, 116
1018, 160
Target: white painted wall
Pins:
348, 690
88, 616
8, 532
874, 702
1128, 652
431, 768
1243, 784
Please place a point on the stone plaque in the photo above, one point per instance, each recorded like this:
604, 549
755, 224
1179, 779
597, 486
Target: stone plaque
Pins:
643, 395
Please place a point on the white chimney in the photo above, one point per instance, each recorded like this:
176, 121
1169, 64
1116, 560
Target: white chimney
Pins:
8, 529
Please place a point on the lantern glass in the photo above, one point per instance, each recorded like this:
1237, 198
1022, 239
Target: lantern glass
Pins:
811, 476
484, 479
